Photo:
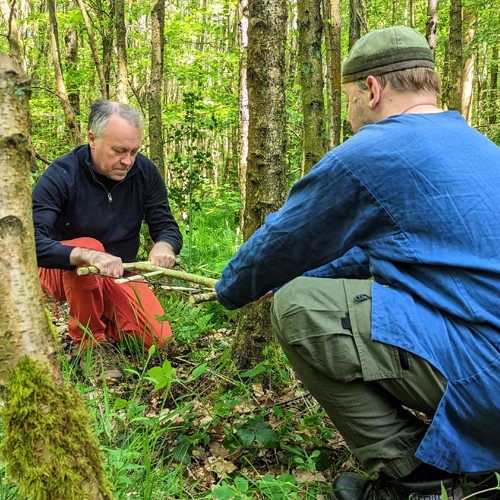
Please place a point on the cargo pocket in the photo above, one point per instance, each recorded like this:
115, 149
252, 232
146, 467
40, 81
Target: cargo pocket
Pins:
377, 360
331, 348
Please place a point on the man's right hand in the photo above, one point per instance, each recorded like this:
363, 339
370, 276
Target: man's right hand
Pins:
106, 263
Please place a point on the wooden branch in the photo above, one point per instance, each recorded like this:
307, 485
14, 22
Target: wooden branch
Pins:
202, 297
148, 268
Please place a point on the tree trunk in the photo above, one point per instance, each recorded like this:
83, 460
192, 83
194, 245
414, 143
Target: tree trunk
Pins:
311, 82
10, 20
93, 48
266, 181
71, 40
61, 86
431, 26
455, 57
493, 93
354, 36
156, 86
106, 13
243, 117
121, 52
468, 71
332, 24
48, 443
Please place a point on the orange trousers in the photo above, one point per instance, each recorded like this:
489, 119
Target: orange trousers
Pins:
99, 308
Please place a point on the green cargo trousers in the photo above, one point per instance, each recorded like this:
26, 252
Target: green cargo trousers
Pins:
324, 327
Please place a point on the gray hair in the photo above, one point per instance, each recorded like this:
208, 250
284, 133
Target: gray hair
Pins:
102, 110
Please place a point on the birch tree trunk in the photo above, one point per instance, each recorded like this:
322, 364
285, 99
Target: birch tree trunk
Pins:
61, 86
47, 440
156, 86
121, 51
311, 82
431, 26
332, 24
266, 181
10, 20
243, 117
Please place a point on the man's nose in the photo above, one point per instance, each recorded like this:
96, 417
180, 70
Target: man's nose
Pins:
127, 159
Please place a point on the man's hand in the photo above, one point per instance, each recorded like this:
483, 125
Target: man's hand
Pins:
106, 263
267, 295
162, 255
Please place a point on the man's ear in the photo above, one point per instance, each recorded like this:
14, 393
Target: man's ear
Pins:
375, 90
91, 138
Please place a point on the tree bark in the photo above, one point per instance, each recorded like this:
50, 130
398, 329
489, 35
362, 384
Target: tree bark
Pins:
243, 117
156, 86
61, 86
332, 24
71, 56
121, 52
10, 20
468, 71
47, 440
431, 26
455, 57
311, 82
266, 181
493, 93
93, 48
106, 13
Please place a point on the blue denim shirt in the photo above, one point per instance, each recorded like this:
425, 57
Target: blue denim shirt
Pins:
414, 202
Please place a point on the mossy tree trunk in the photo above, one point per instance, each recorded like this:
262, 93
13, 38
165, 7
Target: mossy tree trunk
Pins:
47, 441
266, 181
311, 82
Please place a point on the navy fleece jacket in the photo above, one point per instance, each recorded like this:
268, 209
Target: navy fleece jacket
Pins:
69, 201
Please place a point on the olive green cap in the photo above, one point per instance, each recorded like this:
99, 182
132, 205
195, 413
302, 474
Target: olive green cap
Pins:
386, 50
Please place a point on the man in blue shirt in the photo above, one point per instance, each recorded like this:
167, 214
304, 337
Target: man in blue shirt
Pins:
411, 200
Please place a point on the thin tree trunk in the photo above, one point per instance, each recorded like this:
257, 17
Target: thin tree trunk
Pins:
106, 13
47, 439
266, 180
468, 71
243, 117
311, 82
431, 26
155, 89
93, 48
493, 97
121, 52
332, 24
71, 57
455, 57
61, 86
10, 20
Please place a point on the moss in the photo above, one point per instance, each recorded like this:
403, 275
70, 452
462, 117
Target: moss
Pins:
48, 443
53, 331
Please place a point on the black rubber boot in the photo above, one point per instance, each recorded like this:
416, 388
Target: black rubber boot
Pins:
351, 486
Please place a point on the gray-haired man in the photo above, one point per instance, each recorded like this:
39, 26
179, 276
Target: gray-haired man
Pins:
88, 207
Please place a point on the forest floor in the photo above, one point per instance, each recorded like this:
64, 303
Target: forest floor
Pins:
176, 412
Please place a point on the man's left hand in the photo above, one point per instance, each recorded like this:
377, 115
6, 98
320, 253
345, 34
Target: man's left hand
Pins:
162, 255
